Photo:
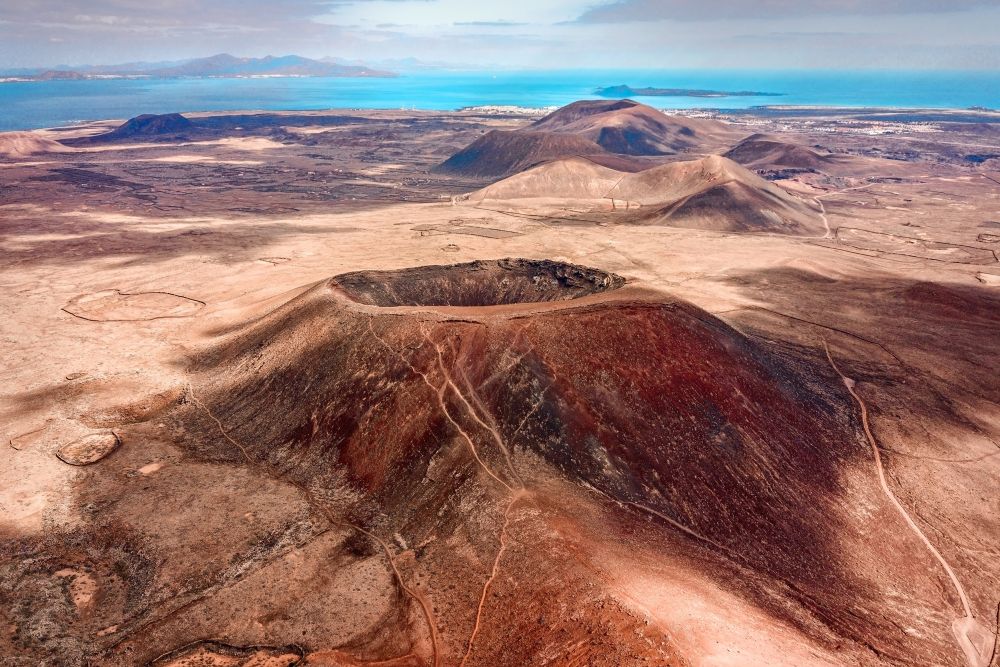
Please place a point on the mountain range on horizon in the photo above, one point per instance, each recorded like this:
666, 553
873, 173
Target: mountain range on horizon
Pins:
219, 65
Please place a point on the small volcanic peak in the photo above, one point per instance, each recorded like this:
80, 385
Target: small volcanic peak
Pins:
150, 125
500, 153
479, 283
741, 207
761, 151
623, 134
709, 193
684, 179
630, 128
569, 178
446, 428
576, 111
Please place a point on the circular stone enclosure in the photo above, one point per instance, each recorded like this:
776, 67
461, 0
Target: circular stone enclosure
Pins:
117, 306
480, 283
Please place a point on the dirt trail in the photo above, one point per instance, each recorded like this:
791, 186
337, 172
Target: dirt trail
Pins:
822, 215
475, 415
967, 631
517, 495
439, 392
822, 207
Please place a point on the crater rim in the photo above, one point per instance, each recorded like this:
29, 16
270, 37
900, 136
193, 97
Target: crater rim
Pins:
509, 281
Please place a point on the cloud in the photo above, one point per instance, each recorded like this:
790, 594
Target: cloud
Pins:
489, 24
47, 33
108, 31
171, 16
516, 33
167, 12
622, 11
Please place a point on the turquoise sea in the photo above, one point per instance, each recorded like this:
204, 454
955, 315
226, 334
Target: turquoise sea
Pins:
26, 105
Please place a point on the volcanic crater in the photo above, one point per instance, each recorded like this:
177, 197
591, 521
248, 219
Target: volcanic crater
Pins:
447, 427
478, 283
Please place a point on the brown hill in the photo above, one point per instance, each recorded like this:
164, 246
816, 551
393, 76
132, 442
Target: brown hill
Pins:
569, 178
709, 193
59, 75
630, 128
534, 476
149, 128
151, 125
24, 144
500, 153
766, 154
582, 109
171, 127
761, 151
599, 130
739, 206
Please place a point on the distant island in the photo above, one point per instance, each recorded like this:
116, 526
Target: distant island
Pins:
628, 91
222, 65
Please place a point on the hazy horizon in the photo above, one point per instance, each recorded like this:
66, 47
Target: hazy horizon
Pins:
562, 34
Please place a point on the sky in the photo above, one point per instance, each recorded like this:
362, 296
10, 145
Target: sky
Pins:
514, 34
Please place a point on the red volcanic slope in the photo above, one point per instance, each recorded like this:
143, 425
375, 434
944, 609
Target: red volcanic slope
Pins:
442, 427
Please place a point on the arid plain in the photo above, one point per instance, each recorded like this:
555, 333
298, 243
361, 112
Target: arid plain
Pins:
603, 387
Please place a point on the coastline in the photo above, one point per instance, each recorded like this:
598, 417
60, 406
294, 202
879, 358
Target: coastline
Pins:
876, 114
42, 104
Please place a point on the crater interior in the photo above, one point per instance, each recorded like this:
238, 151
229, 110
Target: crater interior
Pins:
479, 283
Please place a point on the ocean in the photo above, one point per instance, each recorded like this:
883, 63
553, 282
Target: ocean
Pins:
28, 105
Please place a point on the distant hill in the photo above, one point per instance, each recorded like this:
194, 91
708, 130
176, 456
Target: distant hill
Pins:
778, 157
709, 193
761, 151
23, 144
630, 128
226, 65
500, 152
411, 64
629, 91
624, 135
151, 125
221, 65
171, 127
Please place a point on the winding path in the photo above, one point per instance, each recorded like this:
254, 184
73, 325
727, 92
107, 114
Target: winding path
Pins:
520, 493
822, 207
822, 215
515, 493
966, 625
